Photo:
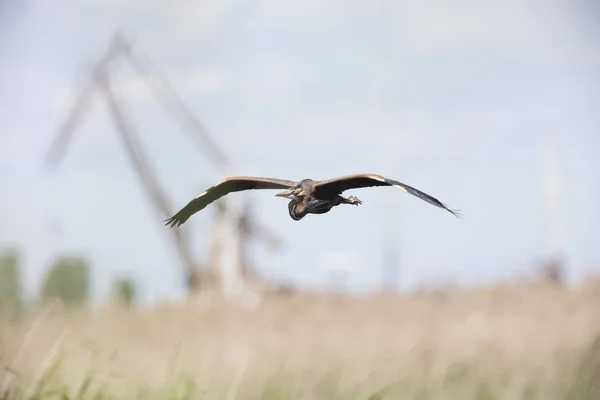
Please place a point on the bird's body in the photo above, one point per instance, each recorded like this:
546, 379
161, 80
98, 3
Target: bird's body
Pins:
311, 203
307, 196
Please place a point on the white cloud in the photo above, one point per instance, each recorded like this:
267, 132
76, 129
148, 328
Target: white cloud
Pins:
127, 8
201, 81
206, 80
274, 12
434, 27
162, 24
200, 19
426, 27
132, 87
383, 131
429, 27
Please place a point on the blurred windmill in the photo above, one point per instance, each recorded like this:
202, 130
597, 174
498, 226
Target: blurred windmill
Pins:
225, 270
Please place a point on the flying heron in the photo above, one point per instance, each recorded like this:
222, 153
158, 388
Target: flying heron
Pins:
307, 196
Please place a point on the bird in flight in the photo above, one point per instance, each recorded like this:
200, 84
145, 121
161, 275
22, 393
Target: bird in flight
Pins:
307, 196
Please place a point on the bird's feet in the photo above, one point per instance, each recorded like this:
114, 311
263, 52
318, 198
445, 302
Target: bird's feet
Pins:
353, 200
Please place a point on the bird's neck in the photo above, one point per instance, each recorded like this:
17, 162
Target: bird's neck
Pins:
296, 209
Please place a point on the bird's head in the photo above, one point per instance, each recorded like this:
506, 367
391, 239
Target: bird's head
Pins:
291, 193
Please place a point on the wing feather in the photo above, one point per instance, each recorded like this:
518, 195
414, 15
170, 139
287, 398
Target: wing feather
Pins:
357, 181
228, 185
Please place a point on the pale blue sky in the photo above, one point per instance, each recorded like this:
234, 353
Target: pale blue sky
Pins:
457, 100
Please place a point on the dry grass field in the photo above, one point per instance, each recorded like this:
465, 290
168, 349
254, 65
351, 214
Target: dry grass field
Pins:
520, 342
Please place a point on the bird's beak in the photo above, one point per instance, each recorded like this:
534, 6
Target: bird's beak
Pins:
287, 193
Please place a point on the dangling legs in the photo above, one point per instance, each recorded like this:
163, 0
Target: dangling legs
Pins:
322, 206
351, 200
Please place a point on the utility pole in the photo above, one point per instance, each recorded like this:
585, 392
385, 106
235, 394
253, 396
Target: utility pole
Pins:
553, 268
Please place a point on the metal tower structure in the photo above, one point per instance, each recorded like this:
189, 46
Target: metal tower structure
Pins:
229, 270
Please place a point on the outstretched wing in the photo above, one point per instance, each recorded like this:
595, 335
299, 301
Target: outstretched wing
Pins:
338, 185
228, 185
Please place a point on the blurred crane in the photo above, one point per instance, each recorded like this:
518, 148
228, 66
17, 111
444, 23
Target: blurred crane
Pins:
240, 229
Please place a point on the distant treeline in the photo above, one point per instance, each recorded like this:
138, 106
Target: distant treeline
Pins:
68, 280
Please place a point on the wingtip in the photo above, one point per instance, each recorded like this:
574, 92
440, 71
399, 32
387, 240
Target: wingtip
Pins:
172, 222
457, 213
